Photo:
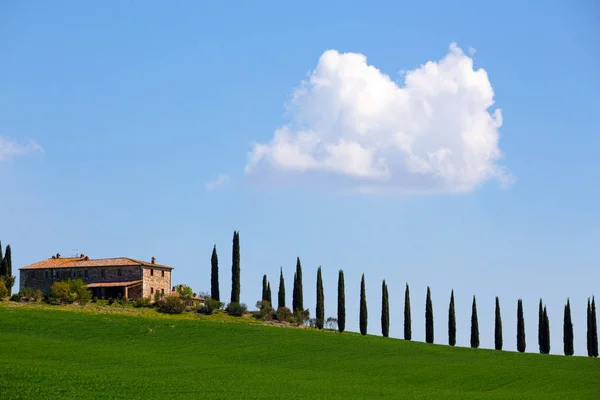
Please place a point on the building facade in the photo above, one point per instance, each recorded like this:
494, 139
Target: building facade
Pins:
105, 277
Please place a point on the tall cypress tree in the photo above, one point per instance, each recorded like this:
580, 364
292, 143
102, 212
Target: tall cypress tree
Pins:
214, 275
541, 327
546, 335
589, 328
407, 317
520, 327
385, 311
498, 327
451, 321
299, 294
341, 310
295, 293
269, 299
428, 318
235, 269
1, 261
281, 293
363, 307
568, 330
593, 324
264, 288
474, 326
320, 312
8, 269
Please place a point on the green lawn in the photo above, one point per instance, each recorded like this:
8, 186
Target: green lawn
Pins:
49, 353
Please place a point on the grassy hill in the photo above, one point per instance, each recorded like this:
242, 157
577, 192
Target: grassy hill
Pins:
49, 353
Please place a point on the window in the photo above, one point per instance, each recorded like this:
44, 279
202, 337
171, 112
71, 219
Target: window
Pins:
32, 274
163, 274
151, 272
162, 291
102, 273
119, 272
151, 290
46, 275
85, 273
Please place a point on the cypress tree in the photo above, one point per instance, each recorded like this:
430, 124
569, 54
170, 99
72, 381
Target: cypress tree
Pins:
2, 273
474, 326
451, 321
498, 327
589, 328
295, 293
235, 269
8, 269
428, 318
385, 311
264, 288
214, 275
541, 327
320, 312
269, 299
341, 310
299, 294
568, 330
363, 307
407, 318
520, 327
281, 293
546, 335
593, 324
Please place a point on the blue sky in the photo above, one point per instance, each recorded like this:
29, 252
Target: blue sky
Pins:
116, 119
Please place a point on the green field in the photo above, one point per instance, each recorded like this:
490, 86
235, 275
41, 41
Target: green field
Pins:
51, 353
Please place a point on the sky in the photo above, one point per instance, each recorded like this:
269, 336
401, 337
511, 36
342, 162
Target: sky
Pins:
444, 144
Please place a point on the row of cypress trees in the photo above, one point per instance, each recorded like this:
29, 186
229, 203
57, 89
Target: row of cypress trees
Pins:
6, 268
235, 272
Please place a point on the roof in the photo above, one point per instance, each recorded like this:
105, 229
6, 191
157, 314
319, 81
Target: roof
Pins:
82, 262
113, 284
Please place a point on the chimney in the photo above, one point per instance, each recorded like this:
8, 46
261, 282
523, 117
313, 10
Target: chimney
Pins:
173, 289
57, 255
153, 260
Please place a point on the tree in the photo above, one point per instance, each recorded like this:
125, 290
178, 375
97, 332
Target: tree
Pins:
235, 269
320, 311
363, 307
214, 275
568, 330
546, 335
474, 326
1, 261
281, 293
299, 305
498, 327
589, 328
295, 292
9, 279
264, 288
520, 327
593, 325
269, 298
385, 311
541, 327
341, 309
428, 318
451, 321
407, 318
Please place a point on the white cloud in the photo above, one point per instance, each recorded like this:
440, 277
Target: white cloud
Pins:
352, 126
10, 148
220, 181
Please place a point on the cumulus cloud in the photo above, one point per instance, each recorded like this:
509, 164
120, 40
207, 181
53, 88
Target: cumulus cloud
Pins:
10, 148
220, 181
352, 126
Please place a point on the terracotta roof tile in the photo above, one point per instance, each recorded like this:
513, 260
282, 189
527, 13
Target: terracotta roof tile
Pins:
71, 262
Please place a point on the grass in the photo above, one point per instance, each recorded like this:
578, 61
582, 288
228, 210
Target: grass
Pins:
66, 352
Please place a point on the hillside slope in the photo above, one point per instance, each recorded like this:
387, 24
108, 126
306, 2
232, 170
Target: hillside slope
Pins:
51, 354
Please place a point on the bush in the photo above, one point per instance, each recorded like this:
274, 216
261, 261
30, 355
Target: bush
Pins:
142, 302
3, 290
61, 291
111, 301
170, 305
283, 314
157, 296
265, 311
236, 309
15, 297
300, 317
84, 295
9, 281
209, 306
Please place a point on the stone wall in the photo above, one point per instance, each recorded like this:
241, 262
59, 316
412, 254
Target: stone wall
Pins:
156, 279
42, 279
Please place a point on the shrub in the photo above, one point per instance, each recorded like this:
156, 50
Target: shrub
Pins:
15, 297
84, 295
236, 309
102, 302
265, 311
209, 306
9, 281
157, 296
300, 317
61, 291
142, 302
3, 290
283, 314
170, 305
111, 301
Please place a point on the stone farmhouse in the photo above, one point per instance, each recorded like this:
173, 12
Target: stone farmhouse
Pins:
105, 277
